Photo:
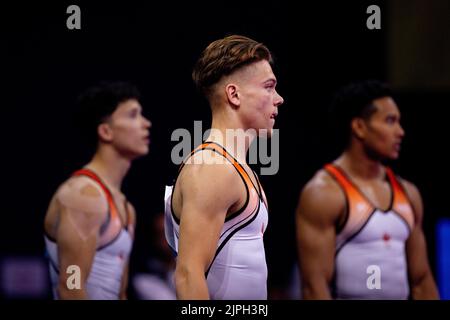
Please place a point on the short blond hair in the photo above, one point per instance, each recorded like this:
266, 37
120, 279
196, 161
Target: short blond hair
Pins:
222, 57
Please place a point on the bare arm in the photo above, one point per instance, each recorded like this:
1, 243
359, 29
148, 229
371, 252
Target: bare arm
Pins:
125, 275
206, 199
421, 279
124, 285
318, 210
82, 211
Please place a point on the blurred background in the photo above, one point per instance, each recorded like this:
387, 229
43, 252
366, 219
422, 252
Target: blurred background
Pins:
318, 47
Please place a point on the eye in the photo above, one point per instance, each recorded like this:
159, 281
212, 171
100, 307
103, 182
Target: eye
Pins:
270, 86
391, 119
133, 113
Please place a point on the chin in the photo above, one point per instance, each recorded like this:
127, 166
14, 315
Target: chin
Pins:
139, 153
145, 151
265, 133
394, 156
389, 157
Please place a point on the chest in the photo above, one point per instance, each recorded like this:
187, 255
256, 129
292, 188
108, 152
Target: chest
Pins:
383, 227
121, 205
378, 193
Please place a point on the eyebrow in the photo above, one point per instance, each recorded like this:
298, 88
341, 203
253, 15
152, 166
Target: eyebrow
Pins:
273, 80
138, 108
393, 115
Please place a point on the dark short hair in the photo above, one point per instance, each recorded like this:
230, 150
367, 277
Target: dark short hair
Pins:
355, 100
224, 56
97, 103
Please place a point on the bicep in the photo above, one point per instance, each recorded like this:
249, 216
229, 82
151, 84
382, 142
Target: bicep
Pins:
416, 248
199, 233
204, 207
317, 213
416, 251
316, 246
82, 212
74, 246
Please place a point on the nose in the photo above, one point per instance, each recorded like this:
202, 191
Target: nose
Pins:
278, 99
147, 123
401, 131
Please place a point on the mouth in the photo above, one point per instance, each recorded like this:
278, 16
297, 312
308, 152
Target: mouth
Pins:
273, 115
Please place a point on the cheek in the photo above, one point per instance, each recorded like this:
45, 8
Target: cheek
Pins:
127, 131
265, 104
387, 134
383, 139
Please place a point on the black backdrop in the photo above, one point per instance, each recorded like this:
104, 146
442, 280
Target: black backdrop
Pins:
318, 47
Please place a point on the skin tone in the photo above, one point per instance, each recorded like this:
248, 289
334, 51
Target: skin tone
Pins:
246, 99
322, 204
79, 207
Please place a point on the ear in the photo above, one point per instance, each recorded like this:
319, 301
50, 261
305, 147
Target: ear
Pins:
359, 128
232, 93
104, 132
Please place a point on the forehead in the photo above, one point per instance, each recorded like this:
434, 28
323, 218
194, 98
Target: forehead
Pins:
260, 70
127, 105
386, 105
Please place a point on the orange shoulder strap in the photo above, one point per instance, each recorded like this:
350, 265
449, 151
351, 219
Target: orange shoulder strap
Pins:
96, 178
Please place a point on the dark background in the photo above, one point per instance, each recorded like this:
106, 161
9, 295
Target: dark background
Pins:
318, 47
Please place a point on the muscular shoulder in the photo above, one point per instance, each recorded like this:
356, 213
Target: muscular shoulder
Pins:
321, 198
132, 212
414, 196
80, 210
83, 195
207, 181
410, 188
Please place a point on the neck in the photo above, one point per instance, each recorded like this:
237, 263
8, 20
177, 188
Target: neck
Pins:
356, 161
110, 166
229, 133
